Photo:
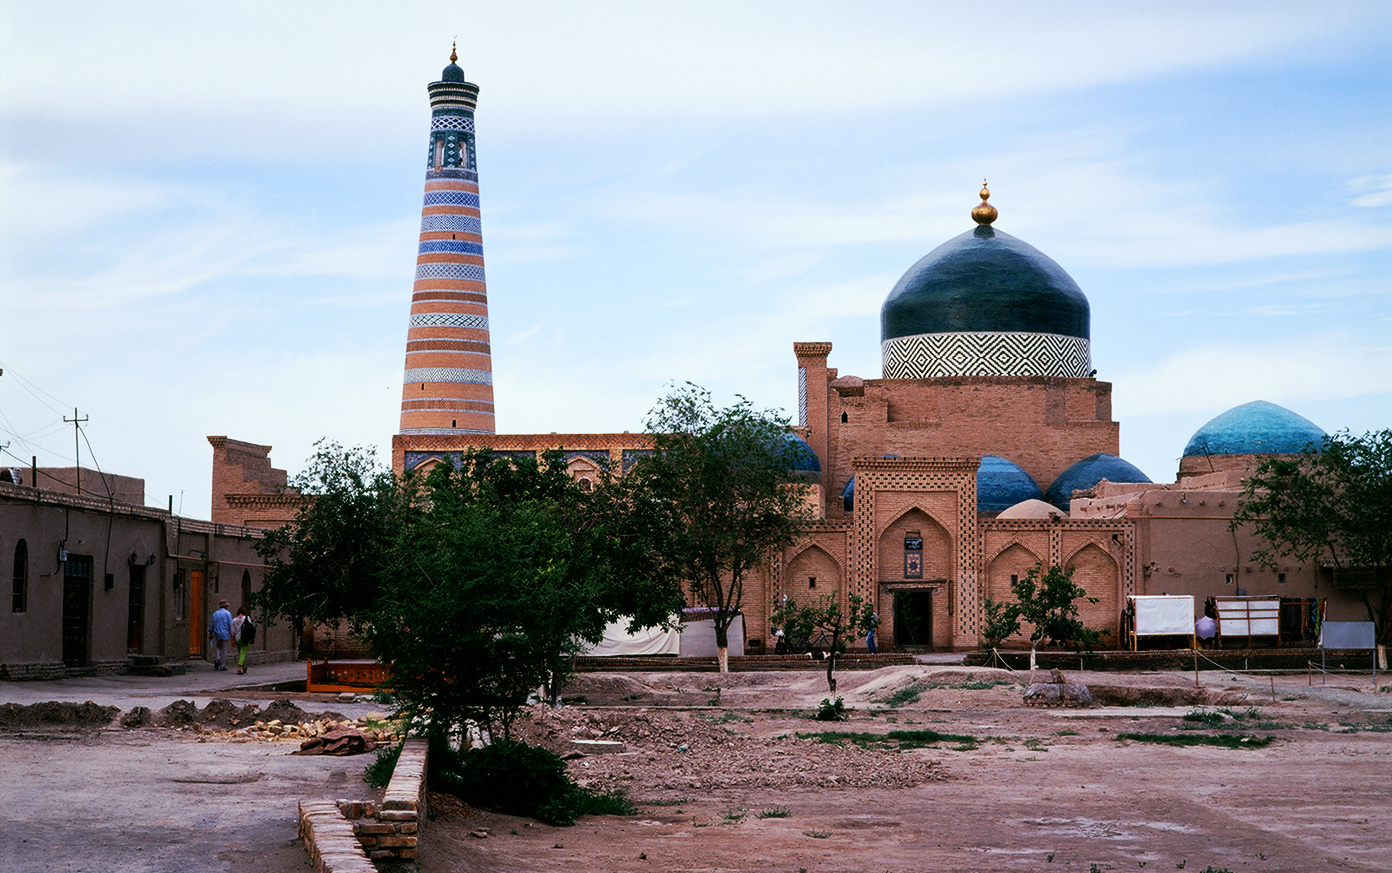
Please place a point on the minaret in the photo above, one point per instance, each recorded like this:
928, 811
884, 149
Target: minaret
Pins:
448, 384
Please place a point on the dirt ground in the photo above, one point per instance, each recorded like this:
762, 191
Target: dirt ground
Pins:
731, 773
747, 786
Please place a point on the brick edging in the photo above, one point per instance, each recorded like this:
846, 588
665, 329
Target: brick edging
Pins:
346, 836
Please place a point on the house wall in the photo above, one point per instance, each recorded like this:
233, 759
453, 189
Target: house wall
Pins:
126, 542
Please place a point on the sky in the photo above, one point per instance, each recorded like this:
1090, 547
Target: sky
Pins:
209, 212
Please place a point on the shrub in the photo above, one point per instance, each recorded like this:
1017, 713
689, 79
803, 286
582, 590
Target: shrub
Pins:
518, 779
831, 711
379, 772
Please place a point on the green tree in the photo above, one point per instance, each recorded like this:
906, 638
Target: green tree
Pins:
1331, 505
1048, 601
725, 494
825, 616
477, 584
327, 565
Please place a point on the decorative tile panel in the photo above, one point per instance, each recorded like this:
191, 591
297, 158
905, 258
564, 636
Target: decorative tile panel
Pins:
462, 272
452, 122
450, 246
452, 198
633, 456
934, 355
448, 319
447, 374
461, 223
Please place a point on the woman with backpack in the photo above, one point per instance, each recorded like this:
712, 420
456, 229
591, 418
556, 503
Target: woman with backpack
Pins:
244, 633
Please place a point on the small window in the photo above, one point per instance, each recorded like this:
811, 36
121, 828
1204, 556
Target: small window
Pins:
439, 153
1014, 580
1228, 578
1280, 578
844, 419
811, 581
21, 577
586, 484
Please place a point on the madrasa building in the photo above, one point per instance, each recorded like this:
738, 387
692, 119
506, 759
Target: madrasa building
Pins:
986, 447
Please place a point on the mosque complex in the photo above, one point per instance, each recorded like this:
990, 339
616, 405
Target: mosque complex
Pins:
986, 448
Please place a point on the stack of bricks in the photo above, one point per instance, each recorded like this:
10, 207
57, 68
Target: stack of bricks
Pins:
329, 838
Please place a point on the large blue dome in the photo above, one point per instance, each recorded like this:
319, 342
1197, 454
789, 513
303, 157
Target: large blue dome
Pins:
1000, 484
985, 281
1256, 428
1087, 473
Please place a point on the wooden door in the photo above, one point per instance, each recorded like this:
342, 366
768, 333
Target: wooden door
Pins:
77, 609
198, 630
135, 613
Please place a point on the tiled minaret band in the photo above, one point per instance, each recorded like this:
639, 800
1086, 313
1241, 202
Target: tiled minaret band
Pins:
448, 383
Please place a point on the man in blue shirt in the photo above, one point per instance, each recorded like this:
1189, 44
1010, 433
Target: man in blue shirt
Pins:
219, 632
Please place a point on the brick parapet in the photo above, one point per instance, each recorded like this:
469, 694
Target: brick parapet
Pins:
329, 838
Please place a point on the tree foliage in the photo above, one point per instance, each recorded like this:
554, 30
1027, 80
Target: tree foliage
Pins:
1047, 599
1332, 505
328, 564
721, 484
477, 584
802, 621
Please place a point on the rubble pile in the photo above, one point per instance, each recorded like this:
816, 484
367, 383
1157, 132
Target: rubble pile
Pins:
682, 750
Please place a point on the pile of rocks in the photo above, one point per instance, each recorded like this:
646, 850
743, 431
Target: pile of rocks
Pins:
1058, 691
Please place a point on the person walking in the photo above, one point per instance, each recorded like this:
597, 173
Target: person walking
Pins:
219, 632
243, 634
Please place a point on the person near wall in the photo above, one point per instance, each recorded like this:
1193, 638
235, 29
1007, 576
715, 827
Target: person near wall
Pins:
219, 632
243, 634
870, 634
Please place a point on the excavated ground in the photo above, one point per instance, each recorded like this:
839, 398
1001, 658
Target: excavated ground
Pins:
751, 784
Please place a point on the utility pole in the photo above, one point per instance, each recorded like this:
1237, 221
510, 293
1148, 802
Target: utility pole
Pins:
77, 449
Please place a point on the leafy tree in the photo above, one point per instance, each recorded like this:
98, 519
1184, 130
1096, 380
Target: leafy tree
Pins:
499, 580
328, 564
477, 584
724, 494
1332, 504
1048, 601
998, 622
803, 620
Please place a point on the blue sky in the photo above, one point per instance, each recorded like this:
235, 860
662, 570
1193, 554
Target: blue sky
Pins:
208, 213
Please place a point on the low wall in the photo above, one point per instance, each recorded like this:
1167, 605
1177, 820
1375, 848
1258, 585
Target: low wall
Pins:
346, 836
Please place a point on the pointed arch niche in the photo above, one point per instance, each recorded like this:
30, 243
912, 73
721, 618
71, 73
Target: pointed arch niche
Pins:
1100, 575
811, 574
1012, 563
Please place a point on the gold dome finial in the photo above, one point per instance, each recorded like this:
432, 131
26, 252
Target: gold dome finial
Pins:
984, 213
454, 54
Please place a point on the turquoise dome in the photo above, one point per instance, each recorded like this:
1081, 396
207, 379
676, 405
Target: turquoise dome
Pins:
1000, 484
452, 73
1256, 428
1087, 473
985, 281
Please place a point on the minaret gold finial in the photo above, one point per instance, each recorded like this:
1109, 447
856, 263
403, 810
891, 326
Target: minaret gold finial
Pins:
984, 213
454, 54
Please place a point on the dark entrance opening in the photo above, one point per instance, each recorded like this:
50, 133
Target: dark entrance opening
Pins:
77, 609
913, 621
135, 617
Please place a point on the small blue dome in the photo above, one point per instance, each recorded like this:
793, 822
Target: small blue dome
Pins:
1087, 473
452, 73
1256, 428
1000, 484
